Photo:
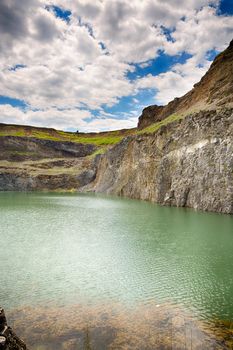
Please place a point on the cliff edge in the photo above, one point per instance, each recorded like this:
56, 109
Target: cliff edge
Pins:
182, 154
214, 90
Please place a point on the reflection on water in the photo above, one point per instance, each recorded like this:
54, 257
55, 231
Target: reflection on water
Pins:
115, 327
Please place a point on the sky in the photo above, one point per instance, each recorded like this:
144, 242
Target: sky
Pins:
94, 65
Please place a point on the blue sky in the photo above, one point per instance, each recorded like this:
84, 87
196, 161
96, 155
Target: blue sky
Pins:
226, 7
94, 66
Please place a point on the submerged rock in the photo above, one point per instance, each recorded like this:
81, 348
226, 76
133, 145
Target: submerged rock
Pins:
117, 327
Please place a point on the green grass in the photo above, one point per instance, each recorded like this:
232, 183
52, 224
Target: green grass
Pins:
12, 133
100, 150
102, 140
156, 126
99, 140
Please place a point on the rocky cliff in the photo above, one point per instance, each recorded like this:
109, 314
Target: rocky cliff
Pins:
180, 154
23, 148
185, 156
214, 90
188, 163
47, 174
34, 158
28, 164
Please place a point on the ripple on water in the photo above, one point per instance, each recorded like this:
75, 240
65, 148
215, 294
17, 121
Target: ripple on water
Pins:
117, 327
91, 249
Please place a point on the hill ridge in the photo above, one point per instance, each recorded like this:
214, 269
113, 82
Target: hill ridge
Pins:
215, 89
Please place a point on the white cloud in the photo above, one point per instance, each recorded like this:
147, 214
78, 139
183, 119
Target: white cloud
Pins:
84, 62
200, 32
51, 117
70, 119
176, 82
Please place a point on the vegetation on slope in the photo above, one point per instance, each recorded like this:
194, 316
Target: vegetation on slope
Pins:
214, 89
156, 126
98, 139
102, 139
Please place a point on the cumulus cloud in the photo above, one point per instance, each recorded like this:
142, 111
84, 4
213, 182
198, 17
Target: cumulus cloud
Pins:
13, 24
176, 82
60, 67
69, 119
200, 32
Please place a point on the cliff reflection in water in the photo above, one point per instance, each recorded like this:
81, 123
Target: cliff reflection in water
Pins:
116, 327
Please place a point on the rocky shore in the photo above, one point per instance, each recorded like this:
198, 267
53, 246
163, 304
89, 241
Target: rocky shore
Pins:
8, 339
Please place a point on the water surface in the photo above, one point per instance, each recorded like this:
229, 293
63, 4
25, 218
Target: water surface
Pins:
62, 250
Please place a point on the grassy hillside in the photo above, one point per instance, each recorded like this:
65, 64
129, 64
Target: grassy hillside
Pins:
213, 90
98, 139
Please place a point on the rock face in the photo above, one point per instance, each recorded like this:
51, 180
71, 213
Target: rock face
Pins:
8, 339
188, 163
151, 114
25, 148
61, 174
28, 164
154, 114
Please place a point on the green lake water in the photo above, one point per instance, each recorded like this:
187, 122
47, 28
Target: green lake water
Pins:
61, 250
